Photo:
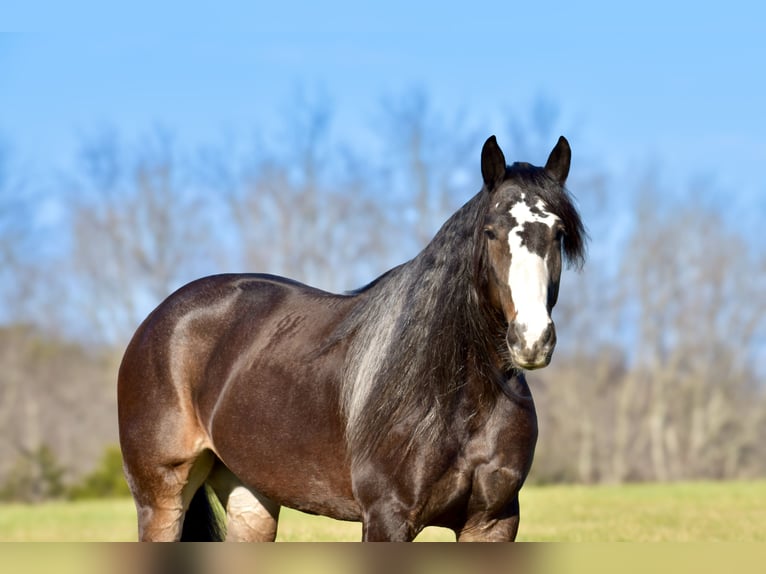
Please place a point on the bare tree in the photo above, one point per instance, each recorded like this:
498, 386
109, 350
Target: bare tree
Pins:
430, 161
138, 232
18, 258
700, 315
305, 211
55, 395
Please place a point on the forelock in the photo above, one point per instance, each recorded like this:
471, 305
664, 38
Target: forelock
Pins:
535, 183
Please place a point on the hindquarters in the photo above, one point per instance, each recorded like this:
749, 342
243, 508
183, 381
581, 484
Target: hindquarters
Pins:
166, 454
180, 486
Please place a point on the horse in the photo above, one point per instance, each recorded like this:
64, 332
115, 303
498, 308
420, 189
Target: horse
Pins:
402, 404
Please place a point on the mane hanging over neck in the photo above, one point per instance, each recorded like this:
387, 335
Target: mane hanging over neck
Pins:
419, 328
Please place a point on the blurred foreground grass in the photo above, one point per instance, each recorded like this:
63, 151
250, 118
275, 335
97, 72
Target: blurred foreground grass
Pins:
702, 512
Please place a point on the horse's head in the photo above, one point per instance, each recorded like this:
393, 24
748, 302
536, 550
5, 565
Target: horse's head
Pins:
529, 226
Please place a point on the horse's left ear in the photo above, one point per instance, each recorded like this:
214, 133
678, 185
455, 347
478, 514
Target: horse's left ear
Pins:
558, 162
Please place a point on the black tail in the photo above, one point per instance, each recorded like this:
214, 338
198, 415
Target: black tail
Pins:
202, 523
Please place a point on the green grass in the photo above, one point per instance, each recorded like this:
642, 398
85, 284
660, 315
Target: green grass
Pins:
683, 512
702, 512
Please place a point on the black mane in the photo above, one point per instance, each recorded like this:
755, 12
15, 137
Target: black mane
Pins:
442, 331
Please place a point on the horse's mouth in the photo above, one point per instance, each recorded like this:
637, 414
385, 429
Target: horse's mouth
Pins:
530, 363
532, 366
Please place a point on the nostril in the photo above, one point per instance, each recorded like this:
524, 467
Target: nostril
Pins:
546, 340
549, 336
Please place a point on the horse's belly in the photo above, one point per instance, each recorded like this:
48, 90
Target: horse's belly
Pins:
281, 433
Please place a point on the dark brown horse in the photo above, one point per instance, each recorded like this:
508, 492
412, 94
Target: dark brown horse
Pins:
400, 405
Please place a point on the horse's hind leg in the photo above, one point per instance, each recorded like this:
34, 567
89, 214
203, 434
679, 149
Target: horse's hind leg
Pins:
162, 492
250, 516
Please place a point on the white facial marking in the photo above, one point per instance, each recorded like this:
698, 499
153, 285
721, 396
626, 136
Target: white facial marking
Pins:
528, 274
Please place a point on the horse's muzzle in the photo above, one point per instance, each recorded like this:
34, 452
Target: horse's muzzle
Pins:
534, 356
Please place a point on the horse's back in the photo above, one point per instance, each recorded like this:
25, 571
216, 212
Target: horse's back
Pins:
196, 340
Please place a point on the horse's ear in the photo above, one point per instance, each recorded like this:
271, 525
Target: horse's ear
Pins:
492, 163
558, 162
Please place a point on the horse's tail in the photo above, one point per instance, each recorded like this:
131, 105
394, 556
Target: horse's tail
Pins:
202, 523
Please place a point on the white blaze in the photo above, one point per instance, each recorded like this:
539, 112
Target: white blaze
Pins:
528, 274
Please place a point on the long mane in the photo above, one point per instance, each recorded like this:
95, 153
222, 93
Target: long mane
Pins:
424, 328
418, 327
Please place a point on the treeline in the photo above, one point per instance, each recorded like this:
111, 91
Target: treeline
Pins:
656, 376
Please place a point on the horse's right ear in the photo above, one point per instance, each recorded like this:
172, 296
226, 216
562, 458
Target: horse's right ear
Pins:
492, 164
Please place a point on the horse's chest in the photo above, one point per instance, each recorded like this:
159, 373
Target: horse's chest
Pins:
497, 460
492, 467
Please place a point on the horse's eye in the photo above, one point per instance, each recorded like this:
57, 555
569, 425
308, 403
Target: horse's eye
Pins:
490, 233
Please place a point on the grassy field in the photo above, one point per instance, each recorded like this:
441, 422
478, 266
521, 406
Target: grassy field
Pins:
702, 512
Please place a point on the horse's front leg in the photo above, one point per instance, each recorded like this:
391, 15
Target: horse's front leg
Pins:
387, 522
488, 528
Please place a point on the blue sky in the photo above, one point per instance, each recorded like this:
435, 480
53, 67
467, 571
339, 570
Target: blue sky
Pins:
677, 84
